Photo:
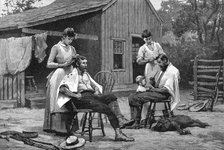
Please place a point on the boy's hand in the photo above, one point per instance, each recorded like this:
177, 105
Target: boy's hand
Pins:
97, 92
78, 96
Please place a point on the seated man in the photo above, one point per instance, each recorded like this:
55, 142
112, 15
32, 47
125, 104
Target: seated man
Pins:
81, 91
166, 86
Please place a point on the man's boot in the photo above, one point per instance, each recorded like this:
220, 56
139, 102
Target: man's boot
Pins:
120, 136
116, 110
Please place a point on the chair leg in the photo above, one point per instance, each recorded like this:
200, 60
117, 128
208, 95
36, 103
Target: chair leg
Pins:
105, 116
35, 86
98, 119
90, 126
166, 111
148, 115
101, 124
169, 110
152, 116
84, 124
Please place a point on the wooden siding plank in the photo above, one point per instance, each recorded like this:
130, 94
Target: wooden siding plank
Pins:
125, 29
14, 82
10, 87
22, 89
102, 39
107, 54
148, 16
5, 94
19, 90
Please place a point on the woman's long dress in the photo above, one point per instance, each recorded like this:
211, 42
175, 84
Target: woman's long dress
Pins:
55, 117
151, 68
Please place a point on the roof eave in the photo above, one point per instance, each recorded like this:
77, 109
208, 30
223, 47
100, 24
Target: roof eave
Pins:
155, 12
109, 5
9, 28
65, 16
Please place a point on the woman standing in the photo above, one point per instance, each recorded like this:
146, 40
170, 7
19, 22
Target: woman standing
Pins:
60, 58
146, 56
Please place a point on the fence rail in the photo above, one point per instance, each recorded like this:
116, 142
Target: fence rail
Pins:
205, 78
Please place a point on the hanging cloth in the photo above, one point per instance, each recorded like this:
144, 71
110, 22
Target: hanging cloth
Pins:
40, 46
3, 61
18, 54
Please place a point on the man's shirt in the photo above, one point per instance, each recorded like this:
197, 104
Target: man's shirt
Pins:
85, 83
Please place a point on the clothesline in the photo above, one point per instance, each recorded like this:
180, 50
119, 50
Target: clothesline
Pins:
16, 53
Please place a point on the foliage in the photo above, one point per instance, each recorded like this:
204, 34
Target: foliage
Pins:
168, 12
182, 52
202, 16
17, 6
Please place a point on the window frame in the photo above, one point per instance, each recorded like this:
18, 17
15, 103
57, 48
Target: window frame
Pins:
123, 54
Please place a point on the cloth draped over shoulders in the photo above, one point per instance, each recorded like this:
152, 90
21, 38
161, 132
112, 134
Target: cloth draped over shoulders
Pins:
72, 80
170, 80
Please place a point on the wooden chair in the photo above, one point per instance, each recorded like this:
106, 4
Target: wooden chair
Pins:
150, 117
31, 83
107, 80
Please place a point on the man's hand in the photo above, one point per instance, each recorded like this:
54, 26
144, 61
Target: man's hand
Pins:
65, 90
160, 90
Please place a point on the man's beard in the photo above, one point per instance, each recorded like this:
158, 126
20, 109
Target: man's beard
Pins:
83, 69
163, 68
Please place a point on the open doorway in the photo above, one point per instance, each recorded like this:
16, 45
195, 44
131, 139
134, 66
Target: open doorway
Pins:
137, 42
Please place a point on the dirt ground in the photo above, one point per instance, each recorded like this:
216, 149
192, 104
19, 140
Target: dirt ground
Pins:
210, 138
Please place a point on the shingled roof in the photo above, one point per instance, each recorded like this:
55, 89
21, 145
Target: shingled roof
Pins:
57, 10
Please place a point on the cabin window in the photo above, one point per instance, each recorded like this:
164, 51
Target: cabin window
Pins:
118, 57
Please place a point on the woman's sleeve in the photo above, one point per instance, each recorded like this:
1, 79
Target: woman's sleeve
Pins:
53, 54
140, 55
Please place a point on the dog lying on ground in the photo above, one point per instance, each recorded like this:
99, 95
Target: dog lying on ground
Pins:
178, 123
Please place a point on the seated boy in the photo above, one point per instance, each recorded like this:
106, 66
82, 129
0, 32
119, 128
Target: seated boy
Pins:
141, 81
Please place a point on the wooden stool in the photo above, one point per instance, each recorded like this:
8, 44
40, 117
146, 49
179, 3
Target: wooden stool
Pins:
31, 83
88, 113
150, 117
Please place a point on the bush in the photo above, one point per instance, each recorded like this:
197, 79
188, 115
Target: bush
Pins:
181, 55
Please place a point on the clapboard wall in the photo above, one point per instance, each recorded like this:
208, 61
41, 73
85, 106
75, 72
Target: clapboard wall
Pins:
13, 88
122, 20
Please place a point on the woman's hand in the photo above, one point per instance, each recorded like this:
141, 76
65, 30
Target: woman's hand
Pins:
63, 65
67, 63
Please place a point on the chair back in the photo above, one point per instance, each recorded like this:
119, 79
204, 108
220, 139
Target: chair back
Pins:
106, 79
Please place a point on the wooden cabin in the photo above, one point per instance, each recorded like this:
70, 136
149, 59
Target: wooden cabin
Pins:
109, 36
